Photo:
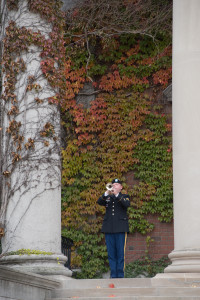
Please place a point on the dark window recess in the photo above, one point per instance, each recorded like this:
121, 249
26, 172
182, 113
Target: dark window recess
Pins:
66, 245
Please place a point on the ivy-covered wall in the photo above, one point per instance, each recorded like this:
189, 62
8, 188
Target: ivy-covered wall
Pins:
124, 129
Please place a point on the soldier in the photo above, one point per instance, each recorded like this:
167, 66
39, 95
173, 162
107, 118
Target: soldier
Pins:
115, 226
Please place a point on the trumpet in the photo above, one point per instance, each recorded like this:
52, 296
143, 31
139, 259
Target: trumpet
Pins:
109, 186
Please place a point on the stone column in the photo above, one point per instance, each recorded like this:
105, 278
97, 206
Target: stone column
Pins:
186, 137
31, 197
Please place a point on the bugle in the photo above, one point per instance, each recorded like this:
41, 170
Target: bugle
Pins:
109, 186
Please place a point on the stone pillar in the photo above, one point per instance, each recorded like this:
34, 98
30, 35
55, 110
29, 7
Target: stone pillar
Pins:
31, 197
186, 137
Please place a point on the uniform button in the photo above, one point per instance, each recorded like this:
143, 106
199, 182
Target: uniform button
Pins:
113, 214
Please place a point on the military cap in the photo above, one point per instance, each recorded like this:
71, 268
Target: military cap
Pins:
116, 181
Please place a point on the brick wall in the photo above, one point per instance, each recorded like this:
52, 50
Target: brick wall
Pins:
163, 244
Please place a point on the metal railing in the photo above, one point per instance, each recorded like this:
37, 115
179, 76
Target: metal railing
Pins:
66, 245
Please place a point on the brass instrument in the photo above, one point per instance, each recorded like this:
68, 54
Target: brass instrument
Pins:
109, 187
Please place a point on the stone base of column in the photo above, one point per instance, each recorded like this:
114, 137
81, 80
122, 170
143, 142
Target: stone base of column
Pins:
38, 264
184, 261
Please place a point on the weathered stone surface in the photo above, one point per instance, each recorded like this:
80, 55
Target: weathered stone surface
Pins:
162, 287
86, 95
186, 142
167, 93
31, 194
39, 264
24, 286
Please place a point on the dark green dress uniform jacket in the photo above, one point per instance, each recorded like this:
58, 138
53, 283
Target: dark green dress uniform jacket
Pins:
116, 218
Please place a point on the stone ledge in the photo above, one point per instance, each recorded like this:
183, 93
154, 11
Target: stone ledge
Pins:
37, 264
25, 278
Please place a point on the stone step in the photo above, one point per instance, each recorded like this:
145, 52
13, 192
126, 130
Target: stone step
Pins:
106, 283
131, 298
163, 280
130, 291
162, 287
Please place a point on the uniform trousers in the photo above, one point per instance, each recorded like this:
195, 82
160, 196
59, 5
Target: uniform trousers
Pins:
116, 243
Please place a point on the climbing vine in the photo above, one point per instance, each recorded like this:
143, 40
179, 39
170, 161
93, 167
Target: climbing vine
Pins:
33, 72
123, 129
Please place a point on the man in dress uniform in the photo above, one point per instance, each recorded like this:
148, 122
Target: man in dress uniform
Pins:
115, 226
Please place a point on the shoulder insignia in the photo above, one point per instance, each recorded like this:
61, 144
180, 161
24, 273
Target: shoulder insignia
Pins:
126, 198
